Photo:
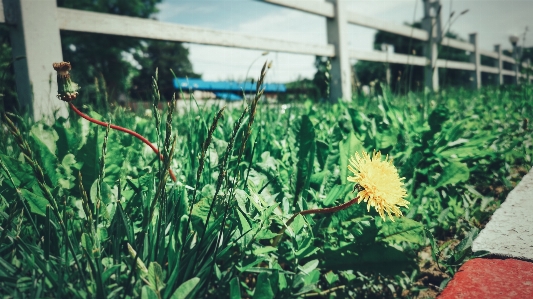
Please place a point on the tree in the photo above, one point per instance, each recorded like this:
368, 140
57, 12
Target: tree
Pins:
163, 56
124, 64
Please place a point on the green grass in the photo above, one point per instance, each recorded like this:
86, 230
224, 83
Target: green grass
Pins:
90, 213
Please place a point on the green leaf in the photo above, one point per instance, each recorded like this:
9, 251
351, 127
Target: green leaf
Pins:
106, 194
306, 157
185, 288
90, 153
453, 173
331, 278
312, 278
297, 224
148, 293
156, 277
263, 289
403, 229
309, 266
348, 148
234, 289
46, 149
21, 173
37, 203
264, 249
87, 243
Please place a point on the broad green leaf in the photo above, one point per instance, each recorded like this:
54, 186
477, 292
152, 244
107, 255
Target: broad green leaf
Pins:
185, 288
297, 224
90, 153
403, 229
263, 289
156, 277
331, 277
37, 203
148, 293
309, 266
453, 173
265, 234
264, 249
234, 289
106, 194
348, 148
312, 278
44, 140
87, 243
21, 173
306, 157
46, 136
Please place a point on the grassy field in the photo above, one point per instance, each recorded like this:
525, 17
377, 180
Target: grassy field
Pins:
87, 212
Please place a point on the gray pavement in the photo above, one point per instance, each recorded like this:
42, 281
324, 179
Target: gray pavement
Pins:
509, 233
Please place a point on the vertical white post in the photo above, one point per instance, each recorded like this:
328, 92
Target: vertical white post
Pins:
528, 73
340, 74
36, 44
476, 60
516, 65
432, 24
498, 64
389, 49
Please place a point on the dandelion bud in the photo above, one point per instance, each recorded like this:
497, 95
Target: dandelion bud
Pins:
66, 89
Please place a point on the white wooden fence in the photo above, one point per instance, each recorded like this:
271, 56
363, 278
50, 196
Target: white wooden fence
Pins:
35, 26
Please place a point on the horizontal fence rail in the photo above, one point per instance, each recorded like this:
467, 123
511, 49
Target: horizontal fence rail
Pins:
30, 31
86, 21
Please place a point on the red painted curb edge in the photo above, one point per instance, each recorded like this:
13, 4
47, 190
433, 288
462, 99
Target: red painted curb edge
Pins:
491, 278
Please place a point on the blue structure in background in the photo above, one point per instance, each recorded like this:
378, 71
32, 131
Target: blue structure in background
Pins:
227, 90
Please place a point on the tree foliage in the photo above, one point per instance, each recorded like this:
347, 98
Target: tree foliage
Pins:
125, 64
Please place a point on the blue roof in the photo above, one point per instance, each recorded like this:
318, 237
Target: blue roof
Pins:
187, 84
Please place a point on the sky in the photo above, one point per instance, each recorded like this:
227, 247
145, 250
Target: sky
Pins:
493, 20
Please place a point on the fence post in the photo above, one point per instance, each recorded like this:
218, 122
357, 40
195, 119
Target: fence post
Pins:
432, 24
498, 64
340, 73
476, 60
36, 44
516, 64
528, 73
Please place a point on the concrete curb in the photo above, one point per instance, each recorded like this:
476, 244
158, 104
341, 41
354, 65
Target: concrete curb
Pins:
509, 232
508, 237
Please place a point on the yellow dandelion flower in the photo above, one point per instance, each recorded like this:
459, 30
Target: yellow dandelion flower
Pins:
379, 183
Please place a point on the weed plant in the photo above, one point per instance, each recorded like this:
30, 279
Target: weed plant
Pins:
88, 212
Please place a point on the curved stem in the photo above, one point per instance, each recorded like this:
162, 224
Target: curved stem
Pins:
135, 134
313, 211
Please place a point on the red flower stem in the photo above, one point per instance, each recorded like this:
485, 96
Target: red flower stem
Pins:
314, 211
135, 134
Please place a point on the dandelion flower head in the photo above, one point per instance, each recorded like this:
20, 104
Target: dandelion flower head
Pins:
379, 183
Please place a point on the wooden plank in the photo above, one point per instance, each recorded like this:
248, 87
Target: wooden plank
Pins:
361, 20
489, 69
508, 59
508, 73
489, 54
457, 44
450, 64
320, 8
86, 21
388, 58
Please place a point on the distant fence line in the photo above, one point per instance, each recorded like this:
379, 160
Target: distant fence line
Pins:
36, 43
